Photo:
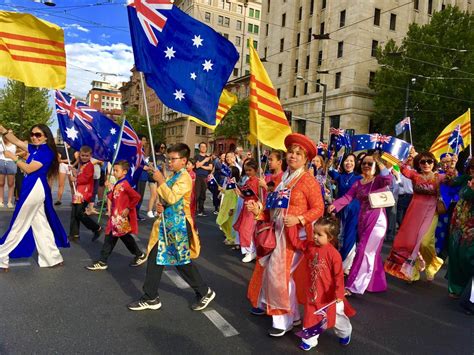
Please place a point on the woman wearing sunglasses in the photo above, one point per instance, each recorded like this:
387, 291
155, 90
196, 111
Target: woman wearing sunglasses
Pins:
34, 218
413, 249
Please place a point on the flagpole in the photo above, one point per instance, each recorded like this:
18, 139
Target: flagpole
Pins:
119, 141
70, 169
145, 101
260, 192
411, 138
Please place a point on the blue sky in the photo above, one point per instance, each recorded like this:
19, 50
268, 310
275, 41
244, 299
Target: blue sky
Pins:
96, 35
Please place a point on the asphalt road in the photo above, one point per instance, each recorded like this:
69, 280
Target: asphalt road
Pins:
70, 310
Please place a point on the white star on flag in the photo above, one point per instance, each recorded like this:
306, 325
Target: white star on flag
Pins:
197, 41
115, 145
280, 203
113, 131
178, 95
169, 53
71, 133
193, 76
207, 65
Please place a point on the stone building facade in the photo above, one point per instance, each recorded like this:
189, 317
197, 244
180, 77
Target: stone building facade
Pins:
106, 98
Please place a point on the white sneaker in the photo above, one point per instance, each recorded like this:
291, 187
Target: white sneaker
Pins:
2, 205
150, 214
10, 205
249, 257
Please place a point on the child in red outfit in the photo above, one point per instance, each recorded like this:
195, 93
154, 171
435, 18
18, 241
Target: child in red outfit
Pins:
325, 282
122, 222
84, 181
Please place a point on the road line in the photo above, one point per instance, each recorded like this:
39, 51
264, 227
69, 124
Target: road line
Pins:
225, 327
21, 263
177, 280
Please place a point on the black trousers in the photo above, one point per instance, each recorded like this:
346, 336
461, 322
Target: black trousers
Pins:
110, 242
78, 216
200, 189
216, 201
188, 272
141, 190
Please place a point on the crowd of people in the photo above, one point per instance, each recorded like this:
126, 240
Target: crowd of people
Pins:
313, 223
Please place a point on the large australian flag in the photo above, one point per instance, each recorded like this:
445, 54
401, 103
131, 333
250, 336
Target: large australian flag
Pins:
186, 62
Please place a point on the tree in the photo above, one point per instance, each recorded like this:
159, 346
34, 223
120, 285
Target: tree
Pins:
440, 56
20, 117
139, 124
235, 123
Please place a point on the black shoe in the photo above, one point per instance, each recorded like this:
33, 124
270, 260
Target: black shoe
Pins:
139, 260
97, 234
274, 332
204, 301
98, 265
140, 218
256, 311
143, 304
58, 203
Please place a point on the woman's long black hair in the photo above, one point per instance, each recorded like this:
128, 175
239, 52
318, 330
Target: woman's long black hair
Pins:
54, 168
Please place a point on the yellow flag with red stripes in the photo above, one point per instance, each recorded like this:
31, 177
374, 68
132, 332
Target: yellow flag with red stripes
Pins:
441, 145
268, 123
226, 101
32, 51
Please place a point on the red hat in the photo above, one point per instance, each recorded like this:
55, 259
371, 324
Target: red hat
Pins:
304, 142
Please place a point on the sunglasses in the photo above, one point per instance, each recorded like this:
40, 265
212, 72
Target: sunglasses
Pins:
426, 161
36, 134
366, 163
162, 147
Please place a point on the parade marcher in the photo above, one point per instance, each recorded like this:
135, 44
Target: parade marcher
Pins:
461, 241
20, 176
203, 168
413, 249
273, 287
122, 223
34, 218
325, 283
219, 179
245, 224
83, 194
172, 240
7, 172
277, 166
367, 268
405, 194
392, 210
229, 201
97, 164
65, 171
350, 214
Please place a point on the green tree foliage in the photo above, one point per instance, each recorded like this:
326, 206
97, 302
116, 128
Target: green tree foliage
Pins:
235, 123
20, 118
139, 124
443, 90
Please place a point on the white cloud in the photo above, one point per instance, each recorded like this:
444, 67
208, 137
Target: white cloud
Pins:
114, 59
76, 26
72, 34
104, 36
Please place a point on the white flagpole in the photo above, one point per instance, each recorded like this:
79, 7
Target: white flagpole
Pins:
147, 114
409, 129
70, 168
457, 142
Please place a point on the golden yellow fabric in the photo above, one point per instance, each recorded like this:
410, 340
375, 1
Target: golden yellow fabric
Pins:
441, 145
226, 101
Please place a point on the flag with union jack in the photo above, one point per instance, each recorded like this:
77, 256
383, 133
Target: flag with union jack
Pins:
379, 140
322, 147
402, 126
455, 140
186, 62
339, 139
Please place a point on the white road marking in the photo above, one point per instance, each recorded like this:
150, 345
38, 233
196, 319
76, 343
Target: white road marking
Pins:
177, 280
220, 323
21, 263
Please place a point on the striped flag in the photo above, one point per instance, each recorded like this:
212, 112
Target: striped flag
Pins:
268, 123
226, 101
32, 51
441, 144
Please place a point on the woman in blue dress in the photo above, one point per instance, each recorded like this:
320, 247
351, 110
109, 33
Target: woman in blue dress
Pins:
349, 215
34, 218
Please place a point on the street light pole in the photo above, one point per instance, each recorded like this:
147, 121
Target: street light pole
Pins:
246, 3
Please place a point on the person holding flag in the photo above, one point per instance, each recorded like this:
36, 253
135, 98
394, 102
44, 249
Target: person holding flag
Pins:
34, 220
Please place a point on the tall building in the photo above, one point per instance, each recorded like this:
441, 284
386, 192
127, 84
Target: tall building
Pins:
236, 20
106, 98
300, 65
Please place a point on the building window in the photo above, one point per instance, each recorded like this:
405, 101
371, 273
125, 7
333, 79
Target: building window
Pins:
237, 41
251, 12
282, 44
375, 44
300, 13
198, 130
280, 69
294, 91
323, 5
307, 61
296, 66
377, 17
266, 29
342, 18
278, 92
305, 90
226, 22
247, 59
318, 85
320, 58
247, 72
253, 28
301, 126
207, 16
337, 81
238, 25
335, 121
257, 14
203, 131
321, 28
283, 20
265, 52
371, 77
240, 9
393, 22
430, 7
416, 4
311, 7
220, 20
340, 49
255, 43
443, 6
298, 37
235, 72
310, 31
226, 35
